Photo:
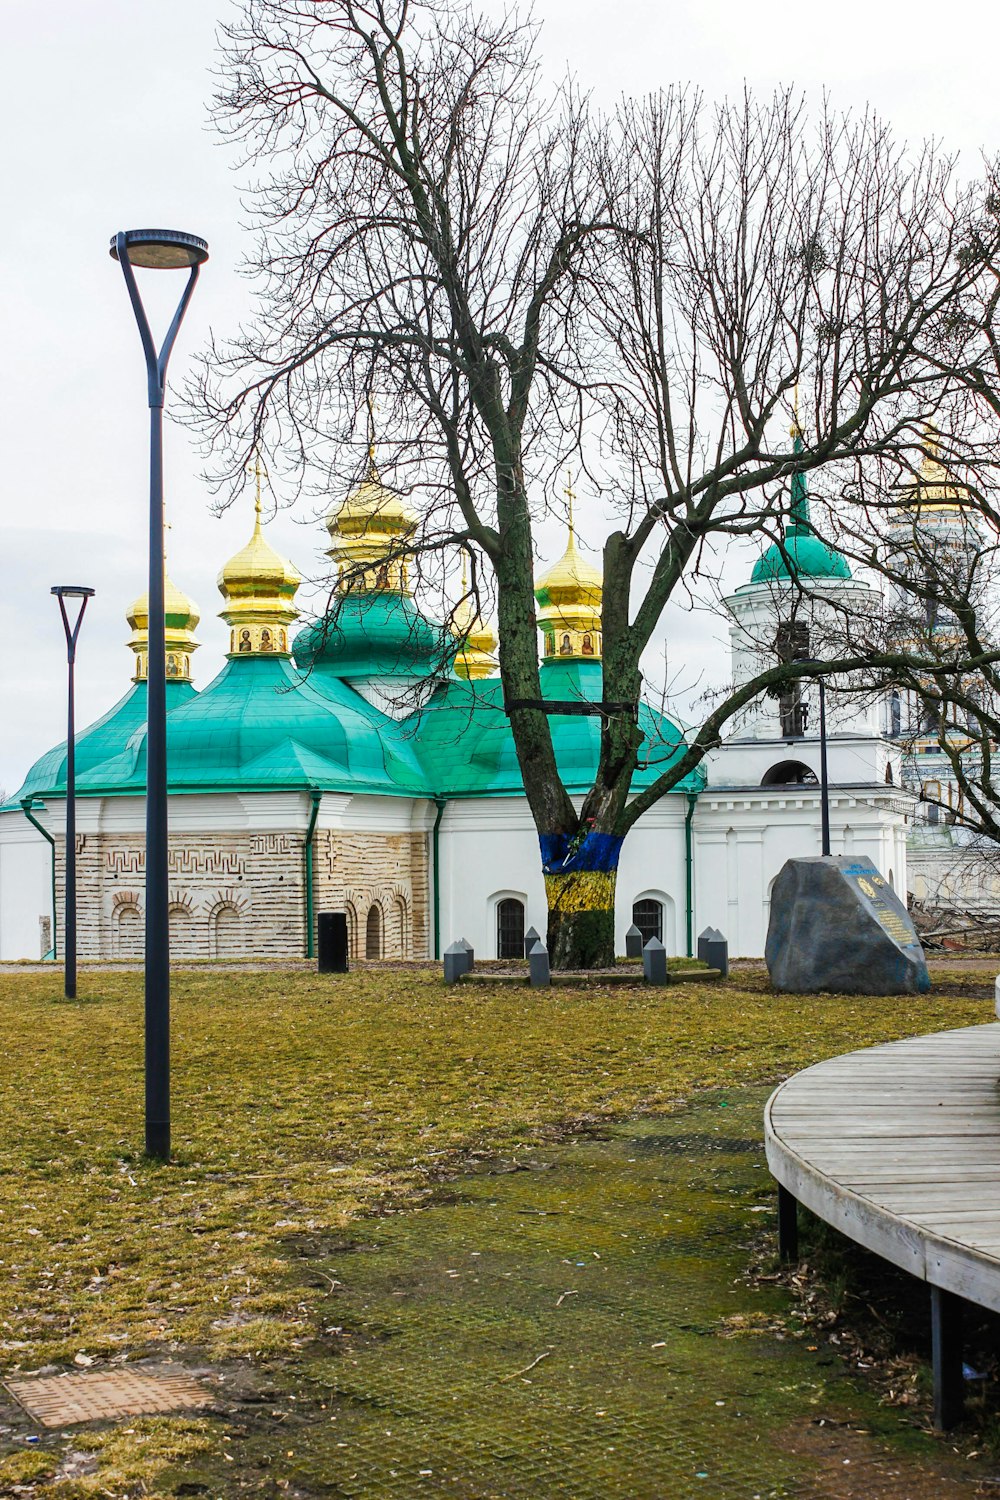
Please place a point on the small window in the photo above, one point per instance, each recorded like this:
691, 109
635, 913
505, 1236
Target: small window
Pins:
373, 932
510, 928
648, 917
790, 773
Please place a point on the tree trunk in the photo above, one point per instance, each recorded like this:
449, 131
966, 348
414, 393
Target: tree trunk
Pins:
580, 877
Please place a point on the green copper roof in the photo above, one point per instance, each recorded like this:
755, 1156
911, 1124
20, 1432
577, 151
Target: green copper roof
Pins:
101, 740
802, 554
464, 740
260, 727
375, 635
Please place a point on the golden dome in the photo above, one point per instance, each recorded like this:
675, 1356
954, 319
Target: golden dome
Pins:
477, 657
935, 490
367, 537
258, 585
180, 619
569, 596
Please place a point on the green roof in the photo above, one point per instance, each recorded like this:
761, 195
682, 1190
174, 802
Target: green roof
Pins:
100, 741
464, 739
375, 635
801, 554
260, 727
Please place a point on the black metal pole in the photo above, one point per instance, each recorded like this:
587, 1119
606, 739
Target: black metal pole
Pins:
157, 953
62, 593
69, 947
824, 780
157, 1055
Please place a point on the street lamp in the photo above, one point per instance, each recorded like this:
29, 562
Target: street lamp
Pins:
161, 250
824, 779
64, 591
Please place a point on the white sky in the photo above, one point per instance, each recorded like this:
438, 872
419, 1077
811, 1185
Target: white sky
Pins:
104, 122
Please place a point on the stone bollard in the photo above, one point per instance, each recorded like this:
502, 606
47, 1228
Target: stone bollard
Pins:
538, 967
331, 945
470, 953
531, 937
633, 942
654, 962
455, 963
717, 955
710, 935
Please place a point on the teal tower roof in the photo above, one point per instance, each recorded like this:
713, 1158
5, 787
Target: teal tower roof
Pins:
464, 740
802, 554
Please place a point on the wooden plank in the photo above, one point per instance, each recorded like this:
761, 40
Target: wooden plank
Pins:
899, 1146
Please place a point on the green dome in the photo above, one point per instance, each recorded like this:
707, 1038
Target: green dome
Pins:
375, 635
259, 727
464, 739
802, 555
102, 740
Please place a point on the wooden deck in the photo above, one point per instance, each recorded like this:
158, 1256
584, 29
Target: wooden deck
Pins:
898, 1147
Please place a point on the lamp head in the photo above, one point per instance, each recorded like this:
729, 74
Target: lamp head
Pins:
71, 591
162, 249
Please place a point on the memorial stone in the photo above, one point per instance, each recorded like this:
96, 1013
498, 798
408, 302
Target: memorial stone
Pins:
710, 935
455, 963
633, 942
654, 962
837, 924
538, 966
717, 955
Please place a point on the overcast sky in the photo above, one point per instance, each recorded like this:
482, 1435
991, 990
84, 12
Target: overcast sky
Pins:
104, 121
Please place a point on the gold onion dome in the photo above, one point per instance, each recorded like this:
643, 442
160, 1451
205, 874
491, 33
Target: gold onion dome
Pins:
935, 490
477, 655
569, 597
259, 586
368, 536
180, 620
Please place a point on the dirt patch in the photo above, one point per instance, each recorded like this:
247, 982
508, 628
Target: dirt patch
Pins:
849, 1463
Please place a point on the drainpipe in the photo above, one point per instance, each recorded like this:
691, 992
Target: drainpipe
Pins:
692, 798
317, 798
440, 803
26, 809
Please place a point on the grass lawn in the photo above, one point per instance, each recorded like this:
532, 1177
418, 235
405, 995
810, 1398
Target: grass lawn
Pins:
304, 1105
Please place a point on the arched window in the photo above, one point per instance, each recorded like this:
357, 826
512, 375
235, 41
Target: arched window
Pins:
888, 775
789, 773
402, 922
895, 715
373, 932
510, 928
183, 939
130, 932
648, 917
226, 933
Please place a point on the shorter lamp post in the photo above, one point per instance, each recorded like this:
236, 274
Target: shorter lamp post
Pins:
824, 779
64, 591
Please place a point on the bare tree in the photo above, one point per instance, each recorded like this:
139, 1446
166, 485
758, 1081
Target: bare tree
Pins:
524, 281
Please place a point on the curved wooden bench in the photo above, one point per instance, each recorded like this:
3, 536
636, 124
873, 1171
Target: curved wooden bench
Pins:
898, 1147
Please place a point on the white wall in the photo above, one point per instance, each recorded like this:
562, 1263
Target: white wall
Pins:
742, 842
25, 887
489, 851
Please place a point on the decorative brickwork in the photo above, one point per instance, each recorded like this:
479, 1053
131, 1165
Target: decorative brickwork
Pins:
240, 894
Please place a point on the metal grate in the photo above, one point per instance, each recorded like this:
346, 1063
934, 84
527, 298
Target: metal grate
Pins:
60, 1400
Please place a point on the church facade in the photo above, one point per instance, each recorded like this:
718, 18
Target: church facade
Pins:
360, 765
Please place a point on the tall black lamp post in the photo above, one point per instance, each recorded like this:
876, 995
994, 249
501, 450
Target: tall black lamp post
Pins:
64, 591
161, 250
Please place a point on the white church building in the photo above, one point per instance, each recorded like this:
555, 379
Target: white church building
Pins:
352, 766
